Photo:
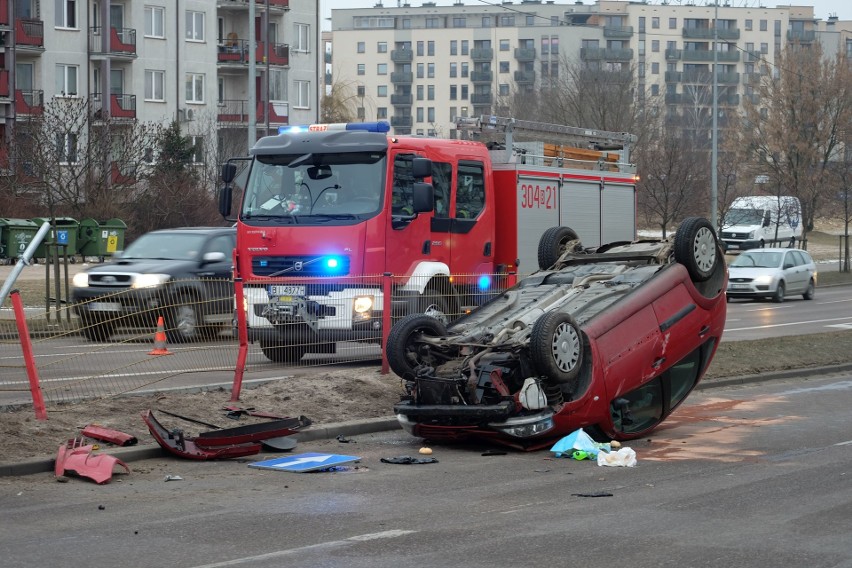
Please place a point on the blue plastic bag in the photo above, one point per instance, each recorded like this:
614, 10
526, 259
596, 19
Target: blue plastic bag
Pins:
578, 440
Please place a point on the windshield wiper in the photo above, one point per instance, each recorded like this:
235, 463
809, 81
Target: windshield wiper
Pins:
289, 219
331, 216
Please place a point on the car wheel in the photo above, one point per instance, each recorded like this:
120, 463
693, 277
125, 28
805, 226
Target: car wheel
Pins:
809, 292
778, 296
184, 324
553, 244
95, 330
556, 346
278, 353
405, 351
435, 303
695, 247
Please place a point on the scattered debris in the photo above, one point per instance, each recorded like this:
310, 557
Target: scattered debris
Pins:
405, 460
578, 445
188, 419
344, 440
281, 443
625, 457
235, 412
493, 453
74, 457
173, 478
252, 432
175, 442
426, 451
596, 494
107, 435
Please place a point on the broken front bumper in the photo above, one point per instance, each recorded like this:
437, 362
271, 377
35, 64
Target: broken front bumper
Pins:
460, 421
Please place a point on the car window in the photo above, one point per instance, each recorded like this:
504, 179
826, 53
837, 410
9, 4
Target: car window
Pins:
221, 243
166, 246
790, 261
801, 258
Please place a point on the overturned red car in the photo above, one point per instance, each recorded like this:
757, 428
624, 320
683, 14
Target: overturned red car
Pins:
610, 339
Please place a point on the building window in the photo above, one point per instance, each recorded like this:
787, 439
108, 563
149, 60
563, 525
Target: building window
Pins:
362, 69
430, 114
419, 114
655, 68
655, 45
421, 70
655, 90
301, 38
454, 69
504, 45
66, 13
507, 20
303, 94
362, 47
66, 148
672, 23
195, 26
420, 48
504, 66
655, 22
66, 80
748, 25
382, 112
465, 47
197, 143
155, 17
381, 69
194, 88
464, 91
406, 23
486, 21
763, 25
465, 68
459, 22
430, 48
432, 22
454, 92
504, 89
419, 92
382, 47
641, 48
430, 71
382, 91
430, 92
641, 24
154, 81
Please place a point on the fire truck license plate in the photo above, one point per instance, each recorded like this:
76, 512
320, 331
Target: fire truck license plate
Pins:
284, 290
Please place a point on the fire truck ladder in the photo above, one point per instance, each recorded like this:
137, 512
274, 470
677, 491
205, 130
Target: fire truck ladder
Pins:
589, 138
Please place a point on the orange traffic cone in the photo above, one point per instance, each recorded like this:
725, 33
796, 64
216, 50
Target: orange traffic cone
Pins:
160, 340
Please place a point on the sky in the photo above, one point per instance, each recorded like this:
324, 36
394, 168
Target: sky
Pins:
822, 8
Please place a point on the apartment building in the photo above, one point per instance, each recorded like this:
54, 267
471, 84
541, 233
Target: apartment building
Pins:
163, 60
421, 66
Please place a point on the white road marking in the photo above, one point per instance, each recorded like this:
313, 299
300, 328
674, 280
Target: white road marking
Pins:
785, 324
311, 548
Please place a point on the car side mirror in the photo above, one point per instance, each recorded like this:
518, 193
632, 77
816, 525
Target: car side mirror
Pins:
214, 256
229, 172
423, 197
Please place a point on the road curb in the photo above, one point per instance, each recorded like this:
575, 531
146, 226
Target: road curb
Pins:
388, 423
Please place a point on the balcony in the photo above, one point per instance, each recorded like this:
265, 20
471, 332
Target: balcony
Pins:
233, 50
525, 77
673, 76
121, 106
122, 42
481, 98
4, 83
236, 50
404, 121
751, 79
481, 76
729, 100
402, 100
235, 112
4, 13
708, 33
801, 36
274, 4
402, 55
599, 53
673, 98
752, 56
29, 33
29, 103
618, 32
525, 54
402, 77
706, 55
279, 53
673, 54
730, 78
482, 54
122, 173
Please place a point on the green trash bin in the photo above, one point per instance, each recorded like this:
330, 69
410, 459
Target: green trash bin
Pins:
100, 238
17, 234
66, 230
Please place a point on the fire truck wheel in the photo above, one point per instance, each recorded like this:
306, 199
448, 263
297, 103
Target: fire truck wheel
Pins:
277, 353
405, 350
556, 347
696, 248
553, 244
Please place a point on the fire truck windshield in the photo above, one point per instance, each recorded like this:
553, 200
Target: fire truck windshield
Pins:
315, 186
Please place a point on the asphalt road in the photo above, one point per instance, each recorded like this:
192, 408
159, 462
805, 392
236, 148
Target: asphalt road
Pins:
755, 476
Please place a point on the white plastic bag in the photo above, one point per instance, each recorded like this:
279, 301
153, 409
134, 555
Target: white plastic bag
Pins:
625, 457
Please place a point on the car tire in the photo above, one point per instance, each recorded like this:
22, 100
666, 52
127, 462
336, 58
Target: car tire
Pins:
436, 303
696, 248
278, 353
556, 347
184, 322
96, 330
778, 296
403, 352
810, 290
553, 244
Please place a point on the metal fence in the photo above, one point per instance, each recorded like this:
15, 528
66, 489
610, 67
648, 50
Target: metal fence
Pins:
123, 342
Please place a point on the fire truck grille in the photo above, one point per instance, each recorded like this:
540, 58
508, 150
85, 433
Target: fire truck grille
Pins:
300, 265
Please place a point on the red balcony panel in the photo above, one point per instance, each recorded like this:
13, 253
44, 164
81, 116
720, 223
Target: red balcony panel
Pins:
274, 117
29, 102
4, 12
279, 3
121, 175
124, 43
122, 106
233, 49
233, 111
29, 32
4, 82
279, 53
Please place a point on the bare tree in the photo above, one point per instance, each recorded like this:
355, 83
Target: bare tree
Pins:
342, 102
794, 129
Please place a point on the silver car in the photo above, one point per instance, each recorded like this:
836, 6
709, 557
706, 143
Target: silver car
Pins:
772, 273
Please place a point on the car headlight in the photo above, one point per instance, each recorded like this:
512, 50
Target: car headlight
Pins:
764, 279
150, 280
80, 280
526, 426
362, 308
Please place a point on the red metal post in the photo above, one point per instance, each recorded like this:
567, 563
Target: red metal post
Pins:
387, 292
27, 348
242, 335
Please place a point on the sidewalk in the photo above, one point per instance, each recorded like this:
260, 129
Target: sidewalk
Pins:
358, 427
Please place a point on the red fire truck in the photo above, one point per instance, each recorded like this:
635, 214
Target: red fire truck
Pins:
334, 217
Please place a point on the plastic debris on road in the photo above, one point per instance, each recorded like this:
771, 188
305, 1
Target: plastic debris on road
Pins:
578, 445
625, 457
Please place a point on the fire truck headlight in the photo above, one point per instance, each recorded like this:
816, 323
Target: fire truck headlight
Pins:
362, 308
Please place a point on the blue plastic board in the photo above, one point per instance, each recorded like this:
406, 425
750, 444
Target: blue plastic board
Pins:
301, 463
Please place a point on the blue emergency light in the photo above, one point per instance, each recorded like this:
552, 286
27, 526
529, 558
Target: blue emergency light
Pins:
377, 126
484, 282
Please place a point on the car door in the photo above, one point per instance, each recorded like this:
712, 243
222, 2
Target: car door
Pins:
217, 276
795, 272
